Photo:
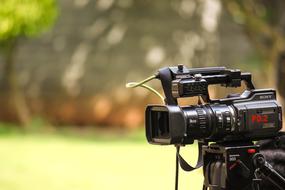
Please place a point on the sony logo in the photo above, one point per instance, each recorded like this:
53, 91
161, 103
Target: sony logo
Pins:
265, 97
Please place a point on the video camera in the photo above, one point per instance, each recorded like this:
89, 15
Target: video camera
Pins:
253, 115
232, 161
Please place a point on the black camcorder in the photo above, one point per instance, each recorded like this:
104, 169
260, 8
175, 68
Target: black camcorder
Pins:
225, 128
252, 115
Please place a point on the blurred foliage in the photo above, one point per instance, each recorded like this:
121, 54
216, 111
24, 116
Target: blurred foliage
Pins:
36, 125
263, 24
21, 18
94, 39
25, 17
39, 126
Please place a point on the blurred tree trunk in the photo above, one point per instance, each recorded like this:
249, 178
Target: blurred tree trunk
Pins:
16, 100
280, 76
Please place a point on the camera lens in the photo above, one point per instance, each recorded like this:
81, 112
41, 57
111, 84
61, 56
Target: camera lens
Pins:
209, 121
165, 124
161, 120
198, 119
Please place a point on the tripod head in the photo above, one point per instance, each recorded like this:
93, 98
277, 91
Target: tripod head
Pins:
229, 166
240, 166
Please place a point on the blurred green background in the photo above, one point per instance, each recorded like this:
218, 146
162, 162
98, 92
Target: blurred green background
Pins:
67, 120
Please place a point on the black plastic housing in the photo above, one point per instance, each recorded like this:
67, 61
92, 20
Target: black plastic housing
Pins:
253, 115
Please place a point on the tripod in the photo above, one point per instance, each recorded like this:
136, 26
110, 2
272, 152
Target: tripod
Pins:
237, 166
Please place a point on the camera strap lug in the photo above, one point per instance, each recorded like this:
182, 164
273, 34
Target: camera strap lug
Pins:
165, 77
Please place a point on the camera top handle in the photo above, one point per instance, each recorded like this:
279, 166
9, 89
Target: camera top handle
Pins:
178, 82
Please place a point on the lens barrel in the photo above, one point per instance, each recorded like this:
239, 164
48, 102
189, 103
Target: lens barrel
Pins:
174, 124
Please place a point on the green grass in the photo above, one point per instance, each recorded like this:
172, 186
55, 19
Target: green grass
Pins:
56, 162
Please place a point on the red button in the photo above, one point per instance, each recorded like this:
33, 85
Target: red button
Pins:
251, 151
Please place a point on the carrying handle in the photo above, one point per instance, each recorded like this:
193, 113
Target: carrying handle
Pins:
212, 76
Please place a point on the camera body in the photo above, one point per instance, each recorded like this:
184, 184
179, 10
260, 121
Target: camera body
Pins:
253, 115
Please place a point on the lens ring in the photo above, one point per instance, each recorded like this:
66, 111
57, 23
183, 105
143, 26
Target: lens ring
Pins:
233, 116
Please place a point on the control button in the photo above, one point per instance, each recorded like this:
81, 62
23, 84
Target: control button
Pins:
197, 77
180, 68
